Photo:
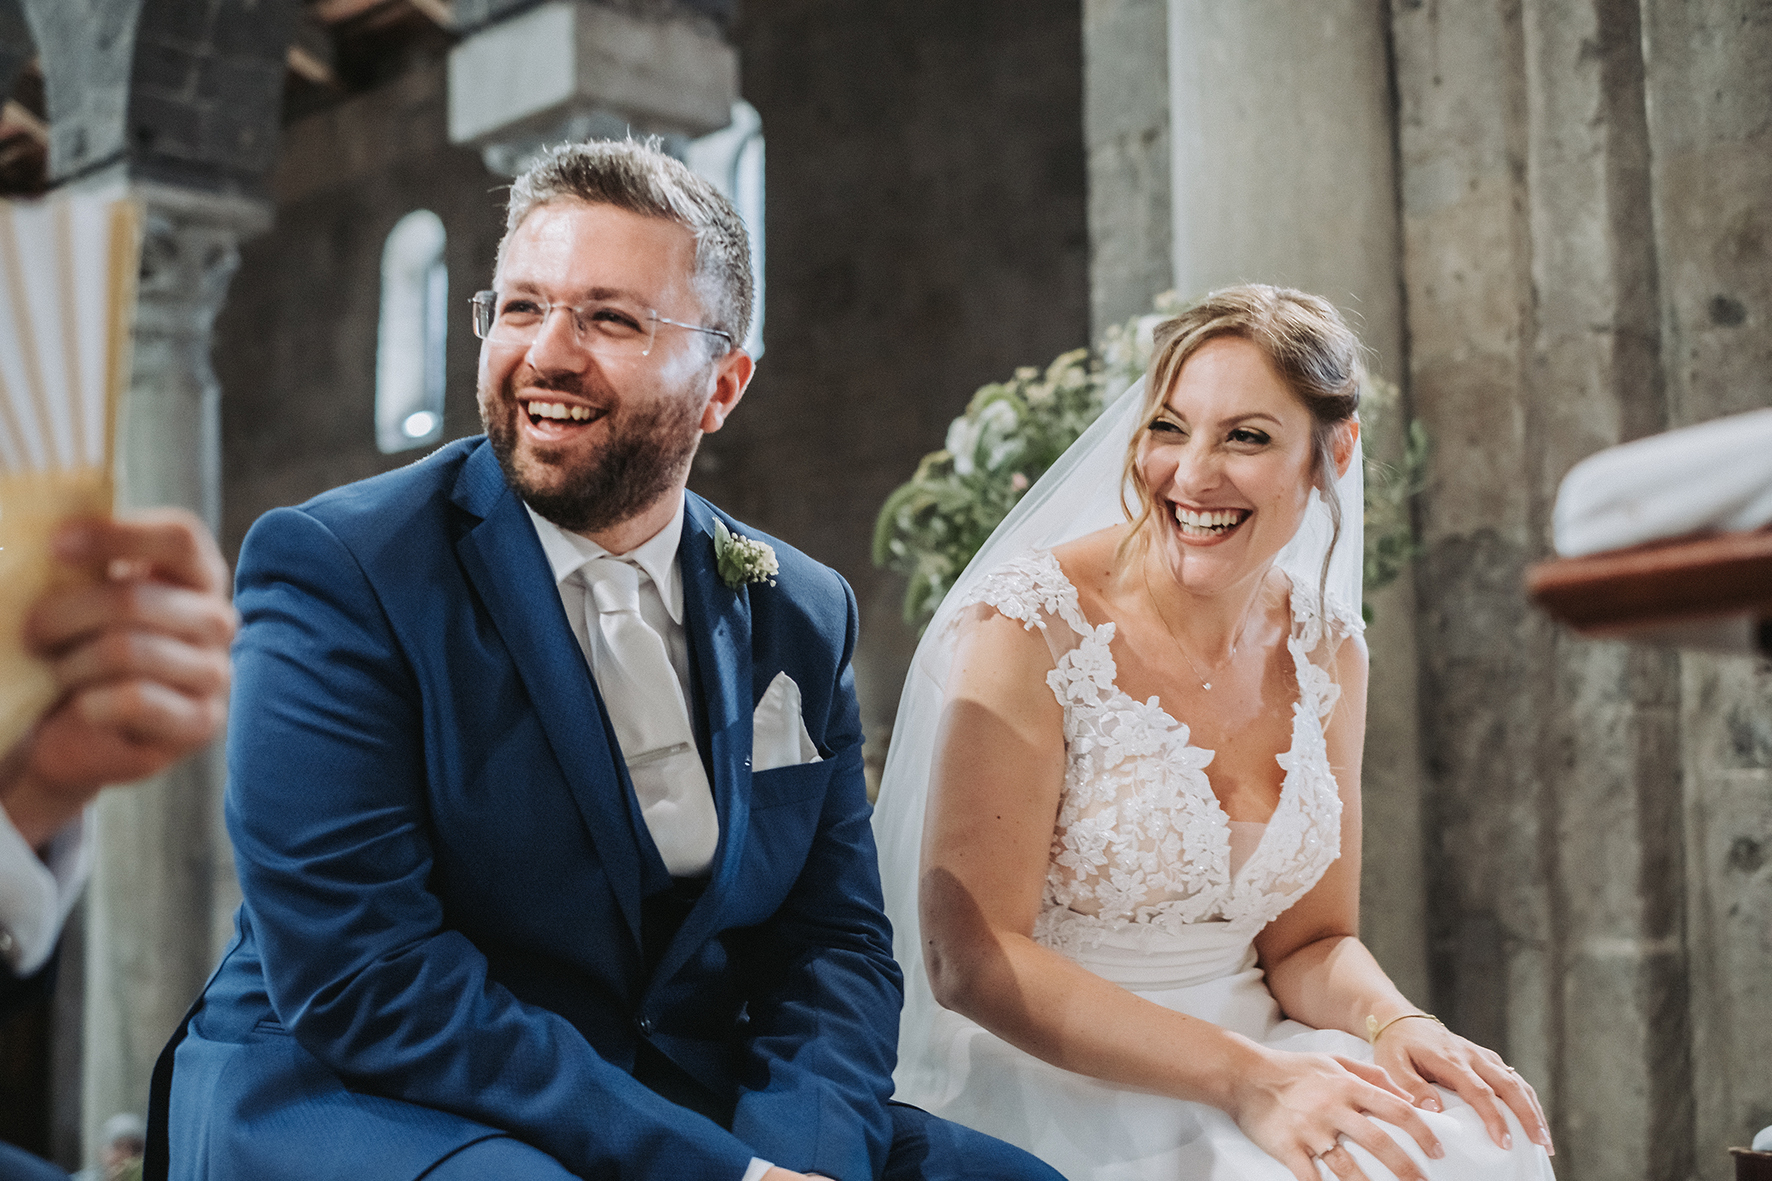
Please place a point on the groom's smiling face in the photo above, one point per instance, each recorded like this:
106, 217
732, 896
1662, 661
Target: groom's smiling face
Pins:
589, 435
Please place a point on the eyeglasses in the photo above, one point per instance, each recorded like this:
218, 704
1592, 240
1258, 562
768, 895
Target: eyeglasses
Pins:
606, 327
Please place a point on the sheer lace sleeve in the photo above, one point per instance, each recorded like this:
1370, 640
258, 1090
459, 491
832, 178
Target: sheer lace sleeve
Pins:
1033, 589
1318, 636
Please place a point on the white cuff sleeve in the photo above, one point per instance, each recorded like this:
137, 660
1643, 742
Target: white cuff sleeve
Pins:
36, 894
759, 1166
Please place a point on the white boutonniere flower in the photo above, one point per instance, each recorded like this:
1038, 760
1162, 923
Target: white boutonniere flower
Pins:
743, 559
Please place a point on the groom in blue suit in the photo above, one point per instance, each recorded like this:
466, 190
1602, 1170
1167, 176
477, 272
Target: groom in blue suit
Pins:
545, 776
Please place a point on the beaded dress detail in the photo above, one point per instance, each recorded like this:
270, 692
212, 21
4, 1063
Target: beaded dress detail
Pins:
1142, 846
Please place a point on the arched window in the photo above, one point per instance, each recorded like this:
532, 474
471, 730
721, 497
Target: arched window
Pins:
732, 158
411, 346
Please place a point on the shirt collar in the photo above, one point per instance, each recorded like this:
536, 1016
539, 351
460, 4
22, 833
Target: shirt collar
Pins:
568, 552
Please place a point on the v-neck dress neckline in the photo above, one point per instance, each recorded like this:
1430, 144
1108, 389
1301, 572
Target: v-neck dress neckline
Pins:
1142, 843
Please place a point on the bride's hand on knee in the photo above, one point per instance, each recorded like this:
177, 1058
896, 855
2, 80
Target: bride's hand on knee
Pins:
1427, 1053
1301, 1107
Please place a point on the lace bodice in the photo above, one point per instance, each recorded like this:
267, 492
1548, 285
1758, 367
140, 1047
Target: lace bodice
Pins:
1141, 843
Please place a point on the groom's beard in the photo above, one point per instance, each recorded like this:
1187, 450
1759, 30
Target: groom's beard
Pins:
646, 453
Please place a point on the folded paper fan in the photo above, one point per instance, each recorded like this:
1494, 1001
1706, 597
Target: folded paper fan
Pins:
68, 267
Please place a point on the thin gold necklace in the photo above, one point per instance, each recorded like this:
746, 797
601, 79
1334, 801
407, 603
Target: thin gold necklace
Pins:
1198, 675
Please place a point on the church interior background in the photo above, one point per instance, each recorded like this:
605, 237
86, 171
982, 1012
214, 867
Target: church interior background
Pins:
1551, 218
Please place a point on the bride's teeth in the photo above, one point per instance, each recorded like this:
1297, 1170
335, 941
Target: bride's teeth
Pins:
1205, 522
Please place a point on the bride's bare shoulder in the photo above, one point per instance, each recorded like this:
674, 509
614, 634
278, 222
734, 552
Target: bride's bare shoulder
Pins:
1089, 561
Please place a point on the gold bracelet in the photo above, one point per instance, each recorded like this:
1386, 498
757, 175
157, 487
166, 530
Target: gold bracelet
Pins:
1373, 1028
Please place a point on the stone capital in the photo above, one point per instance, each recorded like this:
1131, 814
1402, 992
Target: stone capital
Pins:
575, 68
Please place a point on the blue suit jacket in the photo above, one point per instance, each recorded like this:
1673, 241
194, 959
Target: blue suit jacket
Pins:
443, 865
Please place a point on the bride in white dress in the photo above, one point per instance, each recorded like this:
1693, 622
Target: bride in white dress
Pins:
1135, 891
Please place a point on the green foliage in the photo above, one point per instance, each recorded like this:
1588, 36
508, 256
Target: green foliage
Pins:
1012, 431
1390, 530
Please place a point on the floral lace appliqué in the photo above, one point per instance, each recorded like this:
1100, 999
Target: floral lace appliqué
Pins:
1141, 841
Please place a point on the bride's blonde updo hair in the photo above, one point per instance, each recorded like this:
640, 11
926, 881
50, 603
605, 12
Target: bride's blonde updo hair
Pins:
1315, 351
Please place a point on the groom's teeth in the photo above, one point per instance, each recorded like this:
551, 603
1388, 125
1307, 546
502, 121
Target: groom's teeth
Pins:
559, 410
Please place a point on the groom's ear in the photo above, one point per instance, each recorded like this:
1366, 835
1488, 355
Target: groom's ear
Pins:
732, 373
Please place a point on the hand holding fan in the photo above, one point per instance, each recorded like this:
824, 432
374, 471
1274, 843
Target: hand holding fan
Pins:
68, 268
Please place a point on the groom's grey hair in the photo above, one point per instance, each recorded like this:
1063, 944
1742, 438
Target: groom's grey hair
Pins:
637, 175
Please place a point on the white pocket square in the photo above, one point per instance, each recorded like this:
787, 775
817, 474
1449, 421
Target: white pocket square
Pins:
778, 733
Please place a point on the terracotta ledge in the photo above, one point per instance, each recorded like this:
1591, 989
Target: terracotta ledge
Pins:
1665, 586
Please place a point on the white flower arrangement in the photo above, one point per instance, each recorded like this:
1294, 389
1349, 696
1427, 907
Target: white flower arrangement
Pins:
741, 559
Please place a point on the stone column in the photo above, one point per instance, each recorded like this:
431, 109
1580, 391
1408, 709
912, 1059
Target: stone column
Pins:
1609, 757
163, 888
1535, 318
1282, 166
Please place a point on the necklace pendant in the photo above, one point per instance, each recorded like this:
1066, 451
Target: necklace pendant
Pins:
1206, 685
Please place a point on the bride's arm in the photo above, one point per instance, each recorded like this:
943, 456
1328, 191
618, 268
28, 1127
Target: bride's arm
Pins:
994, 797
1323, 976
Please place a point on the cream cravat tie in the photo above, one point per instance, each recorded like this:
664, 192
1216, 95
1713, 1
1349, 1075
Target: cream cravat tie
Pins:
648, 709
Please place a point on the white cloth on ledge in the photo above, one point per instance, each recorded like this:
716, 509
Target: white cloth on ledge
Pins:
1713, 476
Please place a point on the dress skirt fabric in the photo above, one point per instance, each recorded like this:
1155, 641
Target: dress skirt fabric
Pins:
1095, 1131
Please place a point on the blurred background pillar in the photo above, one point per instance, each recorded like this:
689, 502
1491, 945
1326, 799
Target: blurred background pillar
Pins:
1126, 136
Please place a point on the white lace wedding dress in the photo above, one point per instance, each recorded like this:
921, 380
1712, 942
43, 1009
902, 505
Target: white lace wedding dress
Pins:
1152, 887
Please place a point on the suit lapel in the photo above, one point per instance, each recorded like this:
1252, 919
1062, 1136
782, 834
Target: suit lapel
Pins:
504, 561
718, 622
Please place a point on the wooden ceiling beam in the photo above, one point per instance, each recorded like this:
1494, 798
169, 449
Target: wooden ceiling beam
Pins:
333, 12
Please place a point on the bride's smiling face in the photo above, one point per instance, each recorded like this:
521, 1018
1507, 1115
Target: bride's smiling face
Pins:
1228, 459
